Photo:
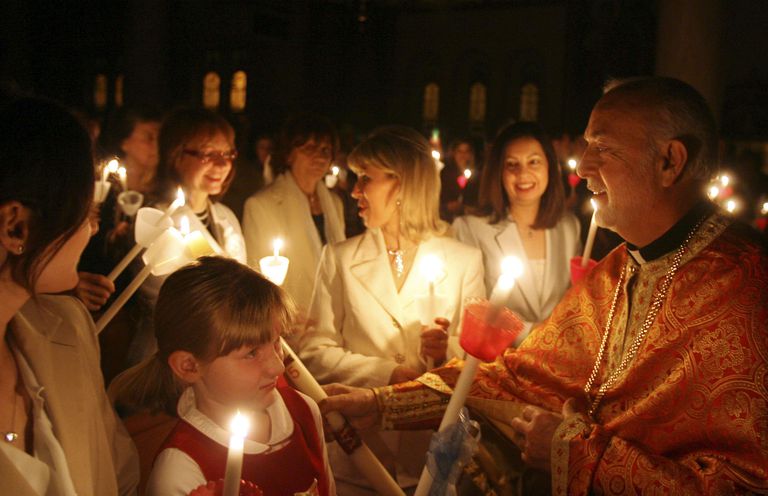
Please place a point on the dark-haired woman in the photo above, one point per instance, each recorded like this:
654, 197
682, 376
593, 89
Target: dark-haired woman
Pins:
59, 434
297, 207
522, 214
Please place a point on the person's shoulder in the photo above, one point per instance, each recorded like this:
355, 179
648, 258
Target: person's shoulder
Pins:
68, 308
224, 211
456, 247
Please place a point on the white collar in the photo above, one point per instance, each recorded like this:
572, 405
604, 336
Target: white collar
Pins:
279, 417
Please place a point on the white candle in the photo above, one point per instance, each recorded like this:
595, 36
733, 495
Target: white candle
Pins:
180, 201
239, 429
275, 267
511, 268
590, 237
123, 175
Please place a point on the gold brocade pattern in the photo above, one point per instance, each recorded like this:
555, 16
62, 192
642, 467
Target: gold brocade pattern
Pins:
690, 413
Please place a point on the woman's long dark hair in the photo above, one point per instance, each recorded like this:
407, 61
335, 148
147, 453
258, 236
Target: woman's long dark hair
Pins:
493, 199
47, 166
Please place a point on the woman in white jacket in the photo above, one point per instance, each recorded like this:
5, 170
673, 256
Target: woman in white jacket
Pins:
197, 150
364, 325
297, 207
523, 214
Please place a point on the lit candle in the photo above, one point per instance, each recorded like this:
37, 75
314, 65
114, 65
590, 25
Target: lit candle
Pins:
731, 206
197, 245
764, 210
275, 268
725, 180
239, 431
590, 236
432, 270
572, 163
123, 175
573, 178
713, 192
467, 173
335, 170
180, 201
436, 154
166, 254
511, 268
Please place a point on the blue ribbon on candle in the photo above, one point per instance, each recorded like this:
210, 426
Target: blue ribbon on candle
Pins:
449, 451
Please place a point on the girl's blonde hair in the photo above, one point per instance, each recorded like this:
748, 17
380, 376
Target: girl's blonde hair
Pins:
405, 154
209, 309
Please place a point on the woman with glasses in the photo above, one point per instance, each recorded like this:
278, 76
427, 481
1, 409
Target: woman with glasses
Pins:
197, 151
297, 207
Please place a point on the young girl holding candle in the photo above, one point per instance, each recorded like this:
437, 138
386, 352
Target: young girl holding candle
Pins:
218, 326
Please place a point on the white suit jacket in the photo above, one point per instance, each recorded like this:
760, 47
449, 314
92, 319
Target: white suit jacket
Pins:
282, 211
360, 328
497, 241
56, 336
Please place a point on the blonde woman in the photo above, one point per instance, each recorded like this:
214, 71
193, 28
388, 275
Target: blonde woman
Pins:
365, 327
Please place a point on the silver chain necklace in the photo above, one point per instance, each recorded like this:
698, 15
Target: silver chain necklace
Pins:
653, 311
398, 261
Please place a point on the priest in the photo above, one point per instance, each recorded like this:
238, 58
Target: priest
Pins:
651, 375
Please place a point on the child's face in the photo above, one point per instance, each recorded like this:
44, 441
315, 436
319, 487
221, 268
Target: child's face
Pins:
245, 378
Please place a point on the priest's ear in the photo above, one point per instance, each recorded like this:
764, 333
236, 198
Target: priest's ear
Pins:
675, 159
14, 226
185, 366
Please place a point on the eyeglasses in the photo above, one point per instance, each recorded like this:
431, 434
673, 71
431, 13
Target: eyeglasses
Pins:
206, 158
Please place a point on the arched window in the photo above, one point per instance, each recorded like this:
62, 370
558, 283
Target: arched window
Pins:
237, 92
119, 90
431, 102
100, 91
529, 102
477, 94
211, 91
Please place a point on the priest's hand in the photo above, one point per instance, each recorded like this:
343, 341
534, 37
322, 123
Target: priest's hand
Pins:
534, 430
358, 405
434, 341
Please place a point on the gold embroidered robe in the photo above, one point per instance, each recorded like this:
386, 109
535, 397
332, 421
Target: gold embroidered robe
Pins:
688, 416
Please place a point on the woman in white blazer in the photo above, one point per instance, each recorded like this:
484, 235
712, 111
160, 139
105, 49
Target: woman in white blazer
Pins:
297, 207
59, 434
197, 150
522, 213
365, 327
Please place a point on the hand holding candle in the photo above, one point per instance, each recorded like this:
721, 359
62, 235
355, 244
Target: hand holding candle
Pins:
429, 305
487, 330
275, 267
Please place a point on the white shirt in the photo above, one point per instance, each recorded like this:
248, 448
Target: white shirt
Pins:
47, 471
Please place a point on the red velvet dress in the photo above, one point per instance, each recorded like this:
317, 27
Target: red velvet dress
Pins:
291, 469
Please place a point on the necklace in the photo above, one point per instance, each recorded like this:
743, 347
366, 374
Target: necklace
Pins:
11, 435
398, 261
653, 311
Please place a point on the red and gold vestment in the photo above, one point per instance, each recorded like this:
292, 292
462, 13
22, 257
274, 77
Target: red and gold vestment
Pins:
689, 415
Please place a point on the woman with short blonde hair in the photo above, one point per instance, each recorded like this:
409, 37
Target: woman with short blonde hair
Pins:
366, 327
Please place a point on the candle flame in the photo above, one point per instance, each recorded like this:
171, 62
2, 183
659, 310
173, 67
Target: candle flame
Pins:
764, 210
467, 173
512, 266
731, 206
436, 154
184, 225
713, 192
724, 180
277, 245
113, 166
572, 163
122, 173
239, 426
593, 203
432, 268
335, 170
180, 198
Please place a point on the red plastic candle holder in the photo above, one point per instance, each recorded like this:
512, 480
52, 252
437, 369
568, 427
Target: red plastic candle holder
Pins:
483, 340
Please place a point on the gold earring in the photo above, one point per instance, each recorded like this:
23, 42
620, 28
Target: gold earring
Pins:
20, 249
